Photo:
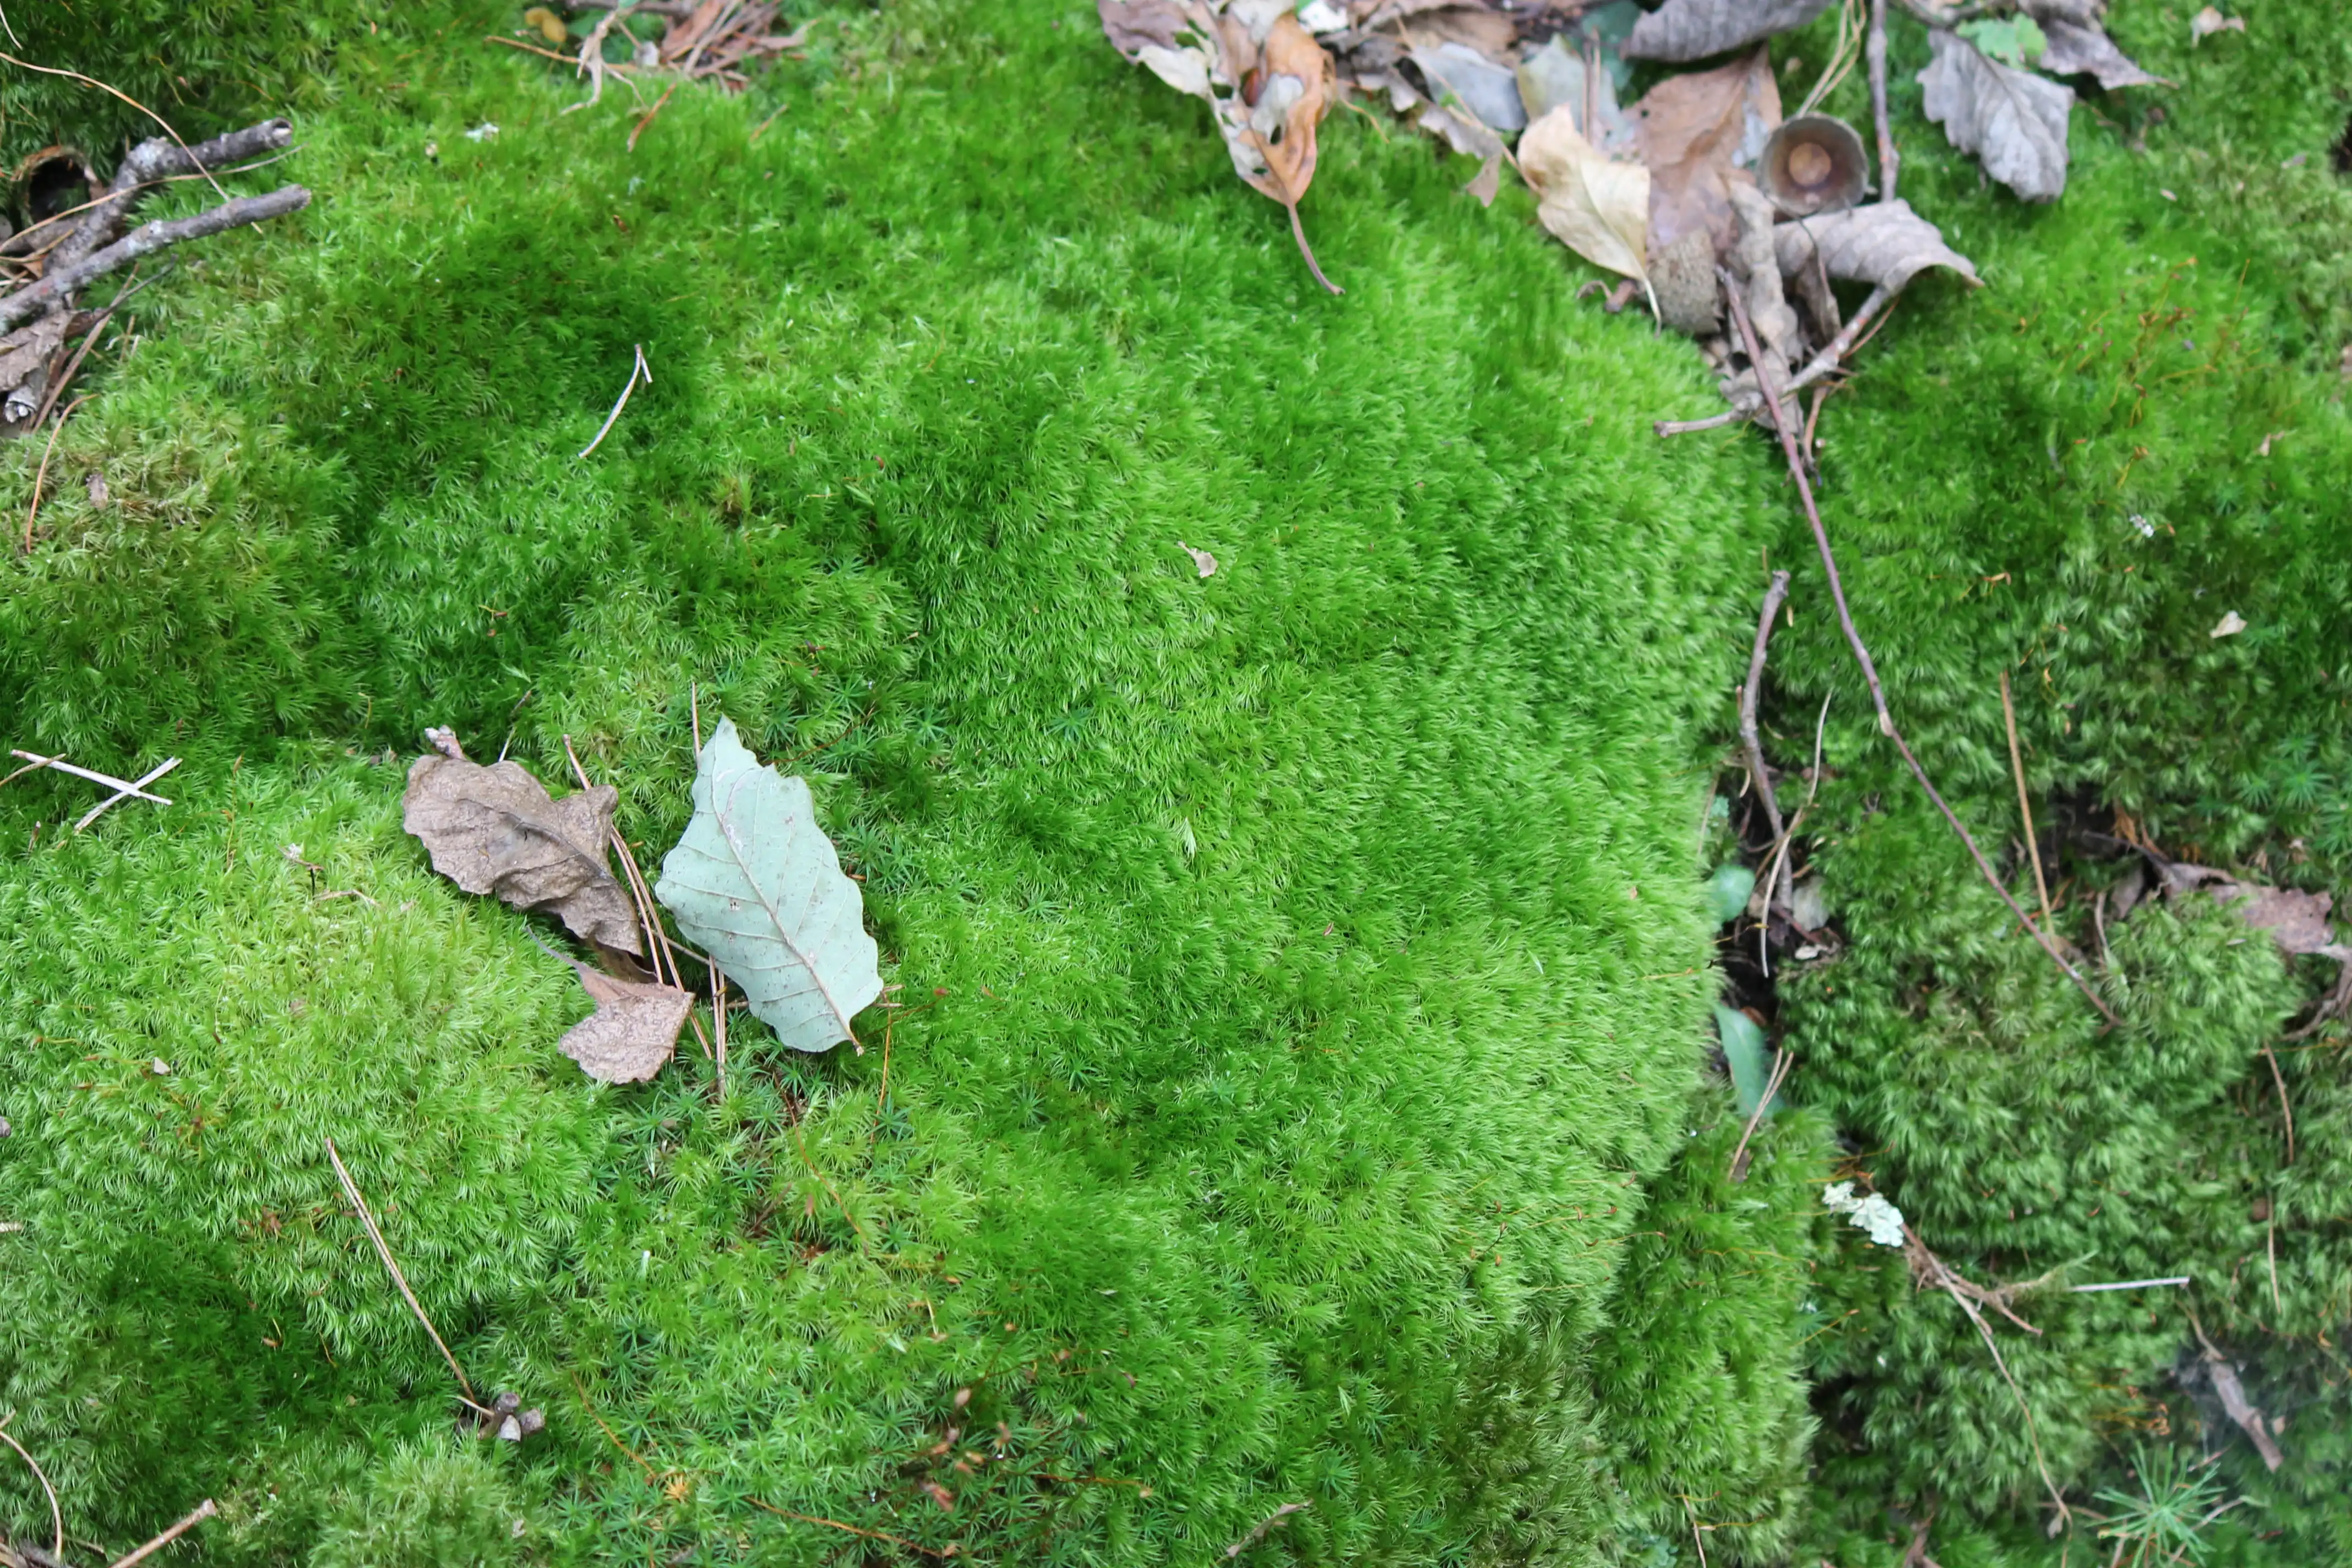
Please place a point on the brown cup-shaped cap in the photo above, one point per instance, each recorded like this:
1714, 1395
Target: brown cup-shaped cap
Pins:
1813, 163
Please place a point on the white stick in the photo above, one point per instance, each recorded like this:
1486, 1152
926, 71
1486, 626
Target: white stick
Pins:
2131, 1284
639, 369
93, 814
64, 766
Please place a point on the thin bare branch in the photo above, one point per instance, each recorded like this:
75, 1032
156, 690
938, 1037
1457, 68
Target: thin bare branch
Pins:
56, 1514
1759, 777
1890, 162
136, 786
2024, 801
59, 284
1870, 670
203, 1511
639, 370
351, 1191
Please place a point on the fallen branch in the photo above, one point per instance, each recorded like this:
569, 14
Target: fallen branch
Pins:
126, 791
1870, 670
2024, 801
637, 370
1890, 162
124, 785
2234, 1400
1930, 1269
1759, 775
56, 1514
59, 283
351, 1191
203, 1511
150, 163
1264, 1525
1832, 355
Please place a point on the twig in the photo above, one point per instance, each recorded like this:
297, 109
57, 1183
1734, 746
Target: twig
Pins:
591, 60
203, 1511
351, 1191
1781, 1062
1890, 162
1870, 670
1832, 355
2285, 1109
2130, 1284
637, 369
760, 130
56, 1514
145, 240
81, 352
836, 1524
94, 776
1758, 774
1938, 1274
1691, 427
676, 10
589, 1405
1788, 834
41, 477
1264, 1525
93, 81
694, 707
2269, 1246
718, 1024
2024, 803
154, 161
2233, 1399
157, 772
647, 118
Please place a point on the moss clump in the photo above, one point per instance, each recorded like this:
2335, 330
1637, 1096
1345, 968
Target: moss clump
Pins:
1300, 967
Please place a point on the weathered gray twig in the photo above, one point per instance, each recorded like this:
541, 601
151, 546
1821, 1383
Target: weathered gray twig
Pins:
58, 283
639, 370
1833, 356
1264, 1525
1759, 777
1931, 1270
126, 791
2233, 1399
155, 160
1870, 670
2024, 801
56, 1514
1732, 416
2130, 1284
383, 1250
1781, 1062
203, 1511
2286, 1111
42, 477
63, 766
1890, 162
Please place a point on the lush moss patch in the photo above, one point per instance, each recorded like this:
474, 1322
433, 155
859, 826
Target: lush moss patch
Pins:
1301, 965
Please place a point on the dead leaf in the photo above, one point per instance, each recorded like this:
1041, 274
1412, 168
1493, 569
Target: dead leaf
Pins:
1692, 129
2013, 121
96, 485
2296, 920
494, 830
632, 1033
1694, 29
1263, 76
1461, 73
1460, 131
25, 354
1555, 75
2077, 49
1596, 207
1885, 244
551, 26
2208, 21
1489, 181
1203, 562
2231, 625
1488, 32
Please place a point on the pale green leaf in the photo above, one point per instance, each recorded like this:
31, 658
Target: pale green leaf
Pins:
759, 887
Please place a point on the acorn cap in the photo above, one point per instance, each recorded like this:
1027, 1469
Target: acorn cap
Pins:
1813, 163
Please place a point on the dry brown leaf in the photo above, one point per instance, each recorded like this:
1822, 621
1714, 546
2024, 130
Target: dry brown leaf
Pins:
1487, 182
1694, 29
25, 351
1885, 244
2296, 920
2076, 49
2013, 121
634, 1030
494, 830
1263, 76
1690, 127
1490, 33
1598, 209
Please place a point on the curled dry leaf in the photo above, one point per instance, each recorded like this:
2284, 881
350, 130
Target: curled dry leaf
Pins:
2012, 120
2074, 48
1203, 562
2296, 920
1263, 76
1885, 244
757, 883
634, 1030
1694, 29
1693, 129
2229, 626
494, 830
1598, 209
1554, 76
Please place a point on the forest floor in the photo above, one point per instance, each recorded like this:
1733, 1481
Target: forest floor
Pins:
1296, 1124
